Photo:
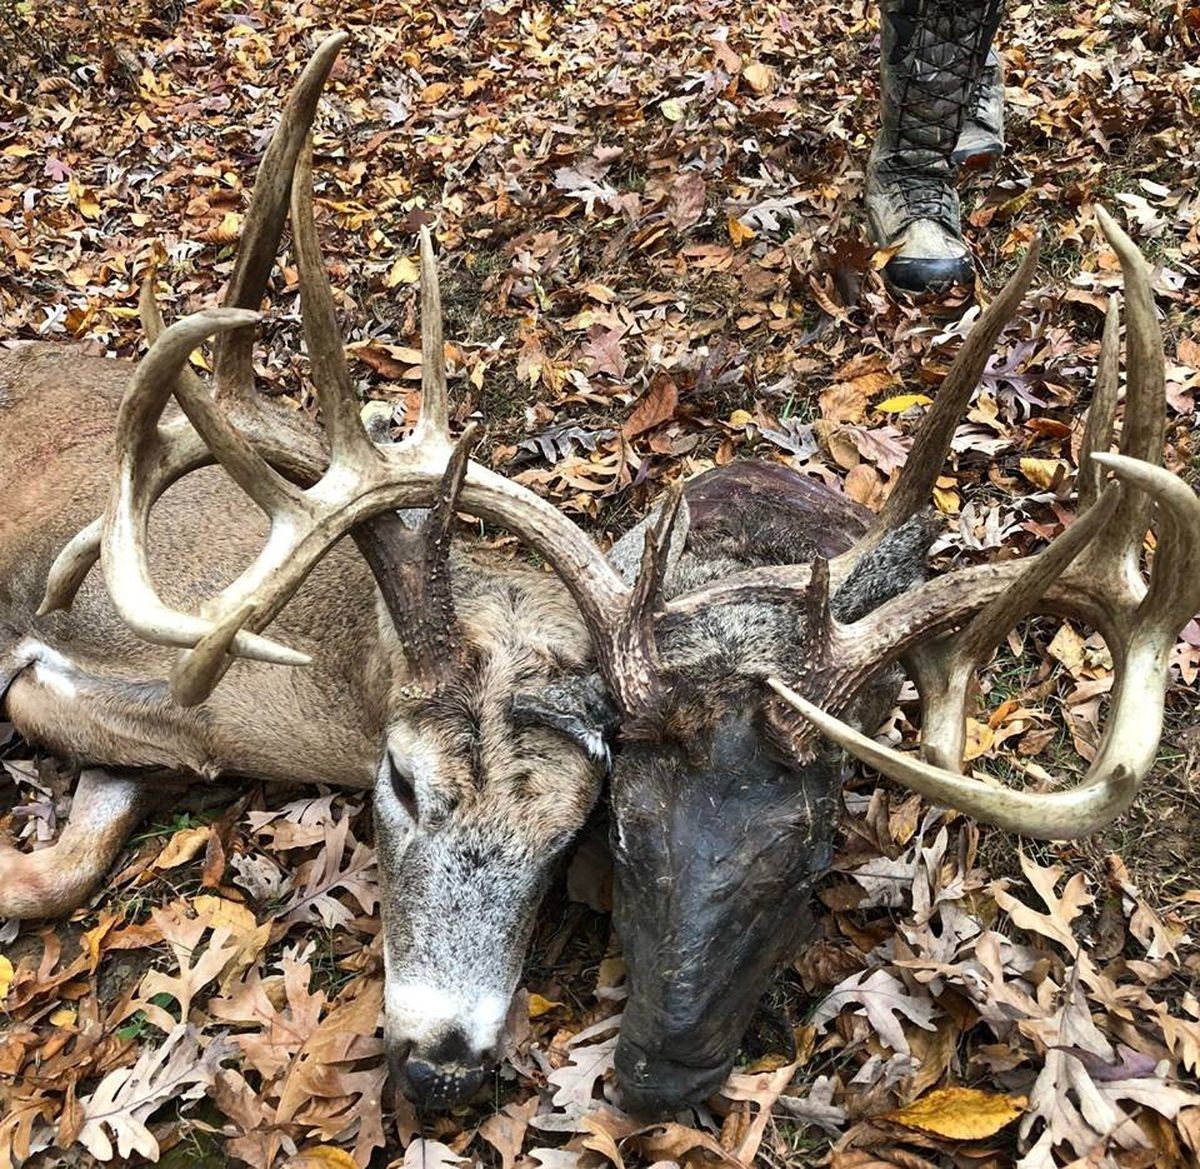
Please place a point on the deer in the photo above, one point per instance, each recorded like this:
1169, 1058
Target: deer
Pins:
481, 700
451, 682
213, 620
724, 792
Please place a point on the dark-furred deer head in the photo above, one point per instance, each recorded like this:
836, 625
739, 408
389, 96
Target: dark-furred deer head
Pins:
724, 788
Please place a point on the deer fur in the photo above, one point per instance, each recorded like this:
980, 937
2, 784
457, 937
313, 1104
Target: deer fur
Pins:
497, 802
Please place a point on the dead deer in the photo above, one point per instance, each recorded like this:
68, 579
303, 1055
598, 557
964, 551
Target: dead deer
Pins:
452, 682
458, 683
723, 790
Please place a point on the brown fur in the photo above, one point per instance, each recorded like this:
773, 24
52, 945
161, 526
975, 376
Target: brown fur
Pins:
495, 802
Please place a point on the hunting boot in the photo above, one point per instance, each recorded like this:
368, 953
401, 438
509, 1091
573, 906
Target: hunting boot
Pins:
981, 142
932, 60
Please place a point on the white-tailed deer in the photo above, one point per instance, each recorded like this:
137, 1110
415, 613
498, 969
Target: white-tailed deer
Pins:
460, 684
723, 795
452, 682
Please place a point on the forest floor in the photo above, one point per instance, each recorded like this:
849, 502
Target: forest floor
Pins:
653, 259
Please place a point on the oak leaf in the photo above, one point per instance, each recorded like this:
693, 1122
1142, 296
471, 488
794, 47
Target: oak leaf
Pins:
881, 998
126, 1098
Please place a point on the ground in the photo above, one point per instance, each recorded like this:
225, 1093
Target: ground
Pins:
652, 256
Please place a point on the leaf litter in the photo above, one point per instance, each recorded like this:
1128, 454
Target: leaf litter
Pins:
653, 263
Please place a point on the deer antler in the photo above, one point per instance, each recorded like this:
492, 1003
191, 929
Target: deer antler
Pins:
348, 486
1090, 572
278, 434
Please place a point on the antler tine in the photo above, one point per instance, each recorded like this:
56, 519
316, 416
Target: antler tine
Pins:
435, 402
70, 568
141, 451
943, 668
339, 407
197, 671
1097, 434
233, 374
1143, 431
1173, 597
914, 488
629, 655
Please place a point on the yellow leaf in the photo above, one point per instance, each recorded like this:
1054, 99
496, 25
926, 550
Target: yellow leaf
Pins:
183, 847
1044, 473
902, 402
322, 1157
540, 1006
63, 1017
6, 976
740, 418
980, 738
771, 1062
960, 1114
760, 78
739, 232
404, 271
229, 230
672, 109
1067, 647
946, 501
16, 150
434, 93
89, 208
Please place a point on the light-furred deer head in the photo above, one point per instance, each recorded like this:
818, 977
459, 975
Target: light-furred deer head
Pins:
474, 676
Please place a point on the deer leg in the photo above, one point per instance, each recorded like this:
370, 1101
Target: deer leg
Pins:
55, 880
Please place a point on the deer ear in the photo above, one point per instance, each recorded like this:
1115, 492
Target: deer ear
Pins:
626, 554
577, 707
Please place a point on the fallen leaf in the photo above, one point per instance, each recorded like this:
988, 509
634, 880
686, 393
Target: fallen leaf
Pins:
656, 406
960, 1114
686, 203
902, 402
321, 1157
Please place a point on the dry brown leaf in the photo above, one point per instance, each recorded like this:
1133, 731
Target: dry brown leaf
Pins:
686, 203
184, 845
761, 78
656, 406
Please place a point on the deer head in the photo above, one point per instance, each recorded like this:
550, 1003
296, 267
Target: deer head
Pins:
492, 741
724, 785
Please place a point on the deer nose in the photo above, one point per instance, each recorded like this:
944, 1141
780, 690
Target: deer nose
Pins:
653, 1086
439, 1086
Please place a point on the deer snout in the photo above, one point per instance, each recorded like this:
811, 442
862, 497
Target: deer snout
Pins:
654, 1086
437, 1086
441, 1047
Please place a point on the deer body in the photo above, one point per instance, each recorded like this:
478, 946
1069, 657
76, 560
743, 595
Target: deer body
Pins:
498, 804
69, 672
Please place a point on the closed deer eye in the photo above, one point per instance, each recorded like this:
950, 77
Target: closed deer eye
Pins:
404, 789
